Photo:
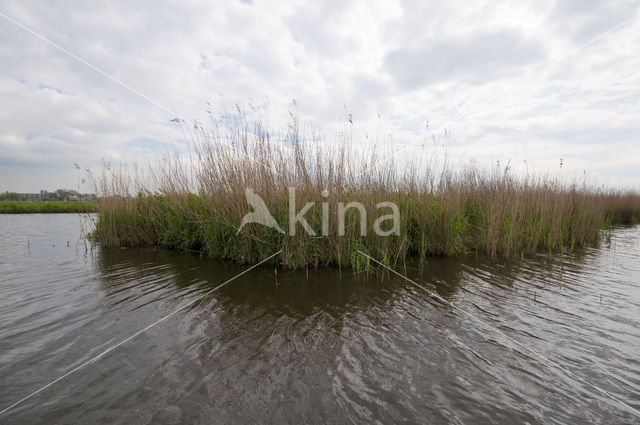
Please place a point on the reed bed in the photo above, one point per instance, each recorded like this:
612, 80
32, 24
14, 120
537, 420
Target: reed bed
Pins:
47, 207
195, 200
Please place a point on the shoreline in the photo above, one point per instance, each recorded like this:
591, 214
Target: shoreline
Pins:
47, 207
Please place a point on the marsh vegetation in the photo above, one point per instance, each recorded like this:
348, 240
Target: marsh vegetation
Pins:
195, 200
47, 207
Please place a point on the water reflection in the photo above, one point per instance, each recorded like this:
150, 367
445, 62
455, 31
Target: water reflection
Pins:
323, 346
262, 339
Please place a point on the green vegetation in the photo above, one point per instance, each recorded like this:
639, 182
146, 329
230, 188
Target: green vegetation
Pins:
198, 204
12, 196
46, 207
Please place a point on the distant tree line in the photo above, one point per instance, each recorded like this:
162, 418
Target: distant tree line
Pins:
58, 195
12, 196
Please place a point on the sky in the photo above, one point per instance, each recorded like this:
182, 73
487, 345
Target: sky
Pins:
527, 82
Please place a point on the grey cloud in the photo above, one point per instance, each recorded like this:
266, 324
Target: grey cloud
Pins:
317, 26
475, 59
325, 55
584, 20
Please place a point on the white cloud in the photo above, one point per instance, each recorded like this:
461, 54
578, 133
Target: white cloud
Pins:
394, 65
474, 59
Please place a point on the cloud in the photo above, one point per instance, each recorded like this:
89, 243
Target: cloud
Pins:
584, 20
473, 59
393, 65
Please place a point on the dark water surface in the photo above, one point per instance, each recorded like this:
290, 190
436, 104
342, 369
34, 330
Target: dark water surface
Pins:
329, 346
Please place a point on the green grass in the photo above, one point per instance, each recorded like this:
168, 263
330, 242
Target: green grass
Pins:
198, 204
46, 207
441, 224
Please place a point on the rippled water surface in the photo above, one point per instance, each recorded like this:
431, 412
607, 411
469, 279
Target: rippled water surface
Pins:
323, 346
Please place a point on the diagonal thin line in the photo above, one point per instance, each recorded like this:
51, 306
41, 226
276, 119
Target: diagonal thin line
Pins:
136, 334
553, 62
114, 79
95, 68
498, 331
534, 74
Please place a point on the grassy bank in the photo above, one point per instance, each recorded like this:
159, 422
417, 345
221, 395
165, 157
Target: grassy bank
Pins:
46, 207
198, 203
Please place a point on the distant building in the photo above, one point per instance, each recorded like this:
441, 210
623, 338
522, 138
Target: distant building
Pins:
44, 195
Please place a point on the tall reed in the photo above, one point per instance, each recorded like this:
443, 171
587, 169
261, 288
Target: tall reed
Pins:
196, 201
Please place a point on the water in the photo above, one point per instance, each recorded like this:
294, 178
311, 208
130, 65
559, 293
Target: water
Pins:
326, 346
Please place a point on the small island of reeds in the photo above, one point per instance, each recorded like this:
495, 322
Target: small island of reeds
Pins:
195, 200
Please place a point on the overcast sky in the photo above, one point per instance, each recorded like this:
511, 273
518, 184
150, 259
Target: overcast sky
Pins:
535, 81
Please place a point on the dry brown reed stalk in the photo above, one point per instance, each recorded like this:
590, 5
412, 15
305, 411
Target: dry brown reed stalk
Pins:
196, 201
